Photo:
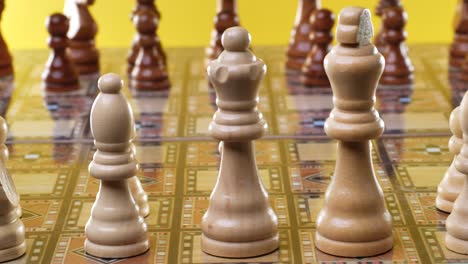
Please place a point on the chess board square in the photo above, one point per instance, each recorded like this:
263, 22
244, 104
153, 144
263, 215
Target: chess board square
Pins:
156, 126
434, 241
420, 176
190, 251
201, 181
423, 208
195, 207
160, 213
42, 156
40, 183
315, 178
150, 105
404, 250
302, 123
307, 102
418, 149
36, 246
71, 250
316, 151
308, 207
412, 122
205, 153
40, 215
155, 181
31, 129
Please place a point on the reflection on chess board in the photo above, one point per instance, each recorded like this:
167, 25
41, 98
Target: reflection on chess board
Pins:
50, 148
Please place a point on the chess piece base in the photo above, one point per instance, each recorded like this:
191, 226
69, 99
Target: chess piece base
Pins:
124, 251
353, 249
456, 245
239, 249
13, 252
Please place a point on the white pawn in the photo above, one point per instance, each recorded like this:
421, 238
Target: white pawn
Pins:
452, 183
456, 238
115, 228
12, 243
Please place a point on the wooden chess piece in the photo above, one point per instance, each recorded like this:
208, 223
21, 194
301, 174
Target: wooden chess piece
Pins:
115, 229
59, 74
6, 67
81, 47
459, 46
133, 53
12, 233
239, 221
299, 43
456, 238
379, 10
149, 72
354, 221
226, 17
313, 72
398, 68
138, 193
452, 183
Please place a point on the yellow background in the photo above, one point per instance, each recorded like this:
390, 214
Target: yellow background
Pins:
189, 22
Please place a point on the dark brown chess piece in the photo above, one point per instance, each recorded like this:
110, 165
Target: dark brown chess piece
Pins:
398, 68
313, 72
226, 17
133, 53
149, 72
6, 68
459, 47
59, 74
300, 44
379, 10
81, 47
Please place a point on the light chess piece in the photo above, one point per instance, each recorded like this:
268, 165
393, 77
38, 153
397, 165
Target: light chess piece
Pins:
452, 183
239, 221
115, 228
456, 238
354, 221
12, 233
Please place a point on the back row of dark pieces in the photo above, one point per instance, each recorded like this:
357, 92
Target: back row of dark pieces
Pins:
398, 69
78, 56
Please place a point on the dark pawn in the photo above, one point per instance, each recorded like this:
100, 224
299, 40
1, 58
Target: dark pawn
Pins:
379, 10
81, 47
313, 72
226, 17
459, 47
59, 74
299, 43
149, 72
398, 68
6, 68
132, 55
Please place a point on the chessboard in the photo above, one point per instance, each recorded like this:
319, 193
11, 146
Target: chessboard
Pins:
51, 146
